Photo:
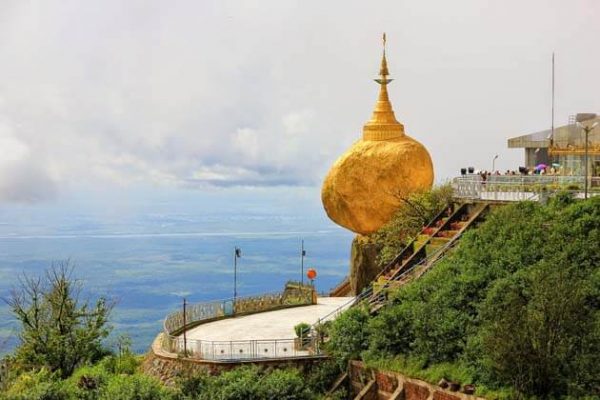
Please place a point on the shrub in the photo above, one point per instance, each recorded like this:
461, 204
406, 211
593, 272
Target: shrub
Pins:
128, 364
322, 377
39, 385
515, 306
302, 329
414, 212
134, 387
348, 335
286, 384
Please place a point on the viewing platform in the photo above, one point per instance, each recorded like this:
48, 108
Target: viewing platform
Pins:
521, 187
252, 328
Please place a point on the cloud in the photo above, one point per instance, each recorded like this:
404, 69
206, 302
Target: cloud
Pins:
268, 93
22, 179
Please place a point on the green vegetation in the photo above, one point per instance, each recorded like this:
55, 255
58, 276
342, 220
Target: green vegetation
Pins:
415, 211
252, 383
115, 378
61, 356
58, 331
514, 310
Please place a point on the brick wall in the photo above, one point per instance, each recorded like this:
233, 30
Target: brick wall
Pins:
414, 391
388, 382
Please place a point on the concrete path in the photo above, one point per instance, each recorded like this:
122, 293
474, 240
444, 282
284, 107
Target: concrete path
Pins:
268, 325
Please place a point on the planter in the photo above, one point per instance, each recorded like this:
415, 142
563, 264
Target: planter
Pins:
469, 389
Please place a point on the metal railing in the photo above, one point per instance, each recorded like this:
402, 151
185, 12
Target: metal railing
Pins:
203, 312
295, 294
519, 187
428, 261
239, 350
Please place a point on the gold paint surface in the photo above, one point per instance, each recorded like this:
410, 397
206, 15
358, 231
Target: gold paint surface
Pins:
365, 186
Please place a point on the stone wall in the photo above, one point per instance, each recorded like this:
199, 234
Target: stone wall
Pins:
167, 367
370, 384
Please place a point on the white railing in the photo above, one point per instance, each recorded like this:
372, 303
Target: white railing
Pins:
294, 295
236, 350
520, 187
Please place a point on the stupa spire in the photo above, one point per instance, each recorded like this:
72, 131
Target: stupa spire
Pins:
383, 124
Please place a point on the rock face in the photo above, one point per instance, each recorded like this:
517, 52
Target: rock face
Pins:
365, 185
363, 263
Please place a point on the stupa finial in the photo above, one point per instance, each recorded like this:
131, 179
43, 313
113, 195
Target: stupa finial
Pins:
383, 71
383, 124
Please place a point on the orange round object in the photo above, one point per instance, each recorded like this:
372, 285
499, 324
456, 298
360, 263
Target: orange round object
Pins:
311, 273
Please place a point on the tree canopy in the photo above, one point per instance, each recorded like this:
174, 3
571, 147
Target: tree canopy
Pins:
517, 305
59, 330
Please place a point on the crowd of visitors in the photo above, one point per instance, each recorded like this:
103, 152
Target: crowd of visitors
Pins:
541, 169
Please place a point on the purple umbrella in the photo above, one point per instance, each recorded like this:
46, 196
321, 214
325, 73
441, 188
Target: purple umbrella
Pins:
540, 167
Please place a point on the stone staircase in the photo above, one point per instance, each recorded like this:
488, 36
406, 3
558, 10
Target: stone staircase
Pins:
423, 252
343, 289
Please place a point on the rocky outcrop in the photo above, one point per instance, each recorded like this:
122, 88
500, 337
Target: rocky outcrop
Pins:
365, 186
363, 263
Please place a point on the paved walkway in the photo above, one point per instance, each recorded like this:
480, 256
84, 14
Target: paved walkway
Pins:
268, 325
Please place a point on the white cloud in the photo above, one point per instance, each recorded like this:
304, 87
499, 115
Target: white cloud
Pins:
245, 141
271, 92
11, 148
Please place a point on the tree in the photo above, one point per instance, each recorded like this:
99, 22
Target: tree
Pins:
541, 330
59, 331
348, 335
415, 211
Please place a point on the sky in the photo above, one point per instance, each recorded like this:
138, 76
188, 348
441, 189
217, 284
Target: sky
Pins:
109, 98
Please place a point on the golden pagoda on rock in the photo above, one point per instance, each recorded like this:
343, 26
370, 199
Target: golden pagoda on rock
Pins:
366, 185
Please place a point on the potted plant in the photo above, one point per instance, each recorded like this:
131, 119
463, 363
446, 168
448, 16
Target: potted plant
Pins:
302, 335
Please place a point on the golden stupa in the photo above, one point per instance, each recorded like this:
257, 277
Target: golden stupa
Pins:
366, 185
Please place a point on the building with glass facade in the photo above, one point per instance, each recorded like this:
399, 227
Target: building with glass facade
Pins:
563, 150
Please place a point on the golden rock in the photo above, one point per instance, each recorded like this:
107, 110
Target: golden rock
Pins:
366, 185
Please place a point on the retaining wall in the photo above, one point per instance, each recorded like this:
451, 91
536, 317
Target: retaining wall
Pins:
370, 384
167, 367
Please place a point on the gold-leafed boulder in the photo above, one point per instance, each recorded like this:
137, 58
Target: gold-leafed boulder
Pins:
366, 185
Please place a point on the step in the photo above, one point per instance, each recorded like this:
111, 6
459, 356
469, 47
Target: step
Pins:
440, 222
447, 233
441, 241
457, 225
422, 238
431, 249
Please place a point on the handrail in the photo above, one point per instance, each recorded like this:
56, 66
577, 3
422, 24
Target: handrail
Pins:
342, 283
390, 264
230, 307
336, 311
435, 256
236, 350
502, 186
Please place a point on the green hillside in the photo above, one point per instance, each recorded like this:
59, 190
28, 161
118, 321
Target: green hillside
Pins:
514, 310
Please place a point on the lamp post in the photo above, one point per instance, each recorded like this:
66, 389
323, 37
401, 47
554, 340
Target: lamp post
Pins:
494, 163
184, 327
302, 255
587, 128
237, 253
